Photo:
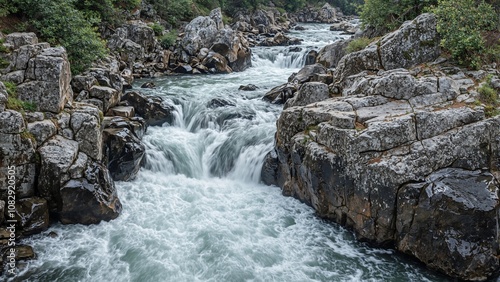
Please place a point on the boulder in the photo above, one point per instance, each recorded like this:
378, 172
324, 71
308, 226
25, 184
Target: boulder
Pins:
451, 215
57, 155
311, 57
217, 63
124, 153
122, 111
86, 126
307, 73
249, 87
42, 130
152, 108
32, 215
310, 92
109, 96
136, 125
49, 78
3, 97
91, 199
280, 94
415, 42
18, 39
330, 55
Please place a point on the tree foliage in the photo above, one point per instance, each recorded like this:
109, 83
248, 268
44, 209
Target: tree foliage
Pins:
388, 15
460, 23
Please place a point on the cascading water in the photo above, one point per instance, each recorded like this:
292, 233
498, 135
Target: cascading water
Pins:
196, 211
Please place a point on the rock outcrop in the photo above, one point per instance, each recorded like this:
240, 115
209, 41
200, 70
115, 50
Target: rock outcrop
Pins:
53, 146
403, 154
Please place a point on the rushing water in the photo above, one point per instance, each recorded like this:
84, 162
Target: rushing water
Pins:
196, 211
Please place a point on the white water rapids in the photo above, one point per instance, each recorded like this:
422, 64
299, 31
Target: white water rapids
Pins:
196, 211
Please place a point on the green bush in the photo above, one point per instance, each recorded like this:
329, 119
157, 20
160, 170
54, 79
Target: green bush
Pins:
489, 97
389, 15
60, 23
168, 39
157, 29
460, 23
357, 44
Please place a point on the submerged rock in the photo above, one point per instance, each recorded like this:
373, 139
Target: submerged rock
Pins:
153, 109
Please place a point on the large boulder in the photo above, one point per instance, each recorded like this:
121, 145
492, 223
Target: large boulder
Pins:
153, 109
310, 92
49, 78
453, 211
330, 55
32, 215
18, 39
91, 199
325, 14
415, 42
86, 125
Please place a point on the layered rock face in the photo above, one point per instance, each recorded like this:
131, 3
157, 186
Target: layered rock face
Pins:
399, 152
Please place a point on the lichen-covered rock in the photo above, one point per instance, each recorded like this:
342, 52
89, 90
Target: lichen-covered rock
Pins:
42, 130
3, 97
109, 96
86, 126
415, 42
18, 39
17, 153
330, 55
49, 78
309, 93
325, 14
153, 109
124, 153
57, 155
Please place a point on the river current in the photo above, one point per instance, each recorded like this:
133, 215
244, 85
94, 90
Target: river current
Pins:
197, 212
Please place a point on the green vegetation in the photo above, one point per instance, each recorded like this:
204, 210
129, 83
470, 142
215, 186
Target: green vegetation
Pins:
14, 103
168, 39
489, 97
28, 135
358, 44
460, 24
157, 29
389, 15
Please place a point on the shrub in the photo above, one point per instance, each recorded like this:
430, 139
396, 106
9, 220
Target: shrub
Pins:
460, 24
358, 44
59, 23
158, 29
168, 39
388, 15
489, 97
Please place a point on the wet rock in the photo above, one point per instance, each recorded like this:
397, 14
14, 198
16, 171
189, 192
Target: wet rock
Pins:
311, 57
307, 73
148, 85
217, 62
219, 102
280, 94
135, 124
453, 211
153, 109
183, 69
124, 153
122, 111
249, 87
89, 200
32, 215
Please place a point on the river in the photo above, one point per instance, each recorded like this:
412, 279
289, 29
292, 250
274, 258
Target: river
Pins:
197, 212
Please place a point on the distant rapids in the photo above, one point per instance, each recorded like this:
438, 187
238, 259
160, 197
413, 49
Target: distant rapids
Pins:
197, 212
